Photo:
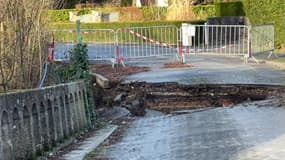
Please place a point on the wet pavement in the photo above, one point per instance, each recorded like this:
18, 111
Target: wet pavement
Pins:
243, 132
208, 69
253, 131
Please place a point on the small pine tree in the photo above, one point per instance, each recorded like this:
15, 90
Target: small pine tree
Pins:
78, 67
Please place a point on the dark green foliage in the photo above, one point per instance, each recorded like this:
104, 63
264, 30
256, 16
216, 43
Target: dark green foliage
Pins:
204, 10
79, 69
78, 64
117, 25
125, 3
83, 12
148, 13
90, 108
229, 9
154, 13
58, 15
71, 3
258, 12
62, 15
266, 12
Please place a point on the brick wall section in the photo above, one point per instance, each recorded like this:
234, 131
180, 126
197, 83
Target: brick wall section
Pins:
35, 120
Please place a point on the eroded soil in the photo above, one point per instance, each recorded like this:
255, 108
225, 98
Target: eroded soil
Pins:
118, 72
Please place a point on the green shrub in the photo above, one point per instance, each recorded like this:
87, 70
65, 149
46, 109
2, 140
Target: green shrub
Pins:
154, 13
79, 67
258, 12
204, 11
149, 13
266, 12
125, 3
63, 14
117, 25
83, 12
58, 15
229, 9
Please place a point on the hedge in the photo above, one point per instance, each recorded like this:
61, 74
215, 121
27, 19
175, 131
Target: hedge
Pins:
154, 13
116, 25
204, 11
148, 13
229, 9
58, 15
62, 15
138, 14
264, 12
258, 12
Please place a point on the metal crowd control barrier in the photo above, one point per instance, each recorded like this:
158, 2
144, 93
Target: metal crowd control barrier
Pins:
228, 40
262, 39
100, 43
64, 40
148, 41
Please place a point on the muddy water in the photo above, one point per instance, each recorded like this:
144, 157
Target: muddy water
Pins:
245, 131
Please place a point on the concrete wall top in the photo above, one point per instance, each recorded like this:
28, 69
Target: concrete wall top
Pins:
12, 100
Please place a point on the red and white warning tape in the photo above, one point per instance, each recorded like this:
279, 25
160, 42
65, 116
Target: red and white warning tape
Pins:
74, 31
136, 34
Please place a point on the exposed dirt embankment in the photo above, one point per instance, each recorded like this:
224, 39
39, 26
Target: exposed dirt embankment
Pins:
118, 72
169, 97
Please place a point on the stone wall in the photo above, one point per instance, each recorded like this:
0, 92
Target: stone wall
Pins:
36, 120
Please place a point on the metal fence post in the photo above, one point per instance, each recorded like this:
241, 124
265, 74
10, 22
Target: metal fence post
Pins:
249, 53
118, 57
79, 38
179, 39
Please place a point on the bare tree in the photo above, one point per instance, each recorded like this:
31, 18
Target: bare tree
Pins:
23, 39
191, 2
59, 4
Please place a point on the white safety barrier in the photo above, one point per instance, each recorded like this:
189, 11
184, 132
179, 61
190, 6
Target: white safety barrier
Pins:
148, 41
262, 39
124, 43
100, 43
225, 40
64, 40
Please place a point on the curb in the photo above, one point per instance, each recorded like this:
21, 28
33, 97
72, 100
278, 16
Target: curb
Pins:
90, 144
101, 80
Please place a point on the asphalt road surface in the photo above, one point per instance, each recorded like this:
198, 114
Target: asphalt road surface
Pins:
238, 133
208, 69
107, 51
253, 131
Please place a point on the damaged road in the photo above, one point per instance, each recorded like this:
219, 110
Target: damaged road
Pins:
224, 111
200, 122
168, 97
215, 110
